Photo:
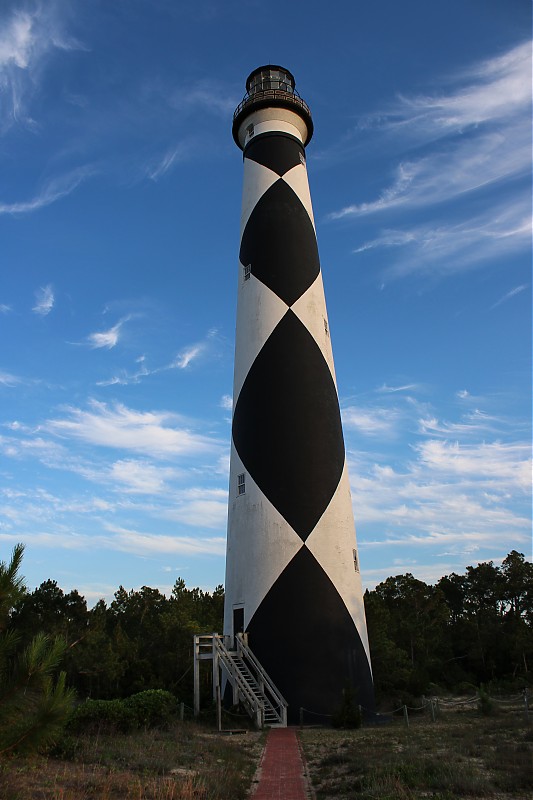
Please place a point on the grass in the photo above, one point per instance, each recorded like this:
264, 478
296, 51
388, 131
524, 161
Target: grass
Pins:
187, 761
462, 756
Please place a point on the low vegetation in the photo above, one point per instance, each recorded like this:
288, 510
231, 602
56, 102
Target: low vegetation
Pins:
463, 755
181, 762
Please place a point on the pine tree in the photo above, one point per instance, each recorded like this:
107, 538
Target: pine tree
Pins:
34, 703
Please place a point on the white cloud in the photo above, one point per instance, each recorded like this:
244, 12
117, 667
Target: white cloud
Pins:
53, 190
494, 462
496, 89
458, 487
27, 38
109, 338
503, 229
226, 402
44, 301
155, 433
5, 309
201, 508
125, 540
392, 389
371, 421
188, 355
203, 95
474, 142
141, 477
7, 379
508, 295
165, 163
467, 166
132, 541
194, 351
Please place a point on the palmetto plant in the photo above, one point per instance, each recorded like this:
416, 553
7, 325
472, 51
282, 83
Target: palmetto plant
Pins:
34, 700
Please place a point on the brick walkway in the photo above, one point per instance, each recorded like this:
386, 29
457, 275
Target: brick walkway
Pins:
281, 771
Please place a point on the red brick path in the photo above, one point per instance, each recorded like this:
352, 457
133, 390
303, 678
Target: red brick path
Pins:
281, 772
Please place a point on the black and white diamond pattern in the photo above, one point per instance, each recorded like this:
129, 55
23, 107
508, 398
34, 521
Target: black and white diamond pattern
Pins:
291, 537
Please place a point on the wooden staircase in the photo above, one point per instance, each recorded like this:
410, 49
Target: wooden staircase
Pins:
250, 684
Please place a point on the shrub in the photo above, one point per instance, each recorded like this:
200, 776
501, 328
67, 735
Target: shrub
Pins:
153, 708
485, 704
348, 714
102, 715
150, 709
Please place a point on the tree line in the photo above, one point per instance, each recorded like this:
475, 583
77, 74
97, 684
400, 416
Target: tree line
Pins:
466, 630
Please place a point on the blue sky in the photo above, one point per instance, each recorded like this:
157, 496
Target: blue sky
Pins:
119, 223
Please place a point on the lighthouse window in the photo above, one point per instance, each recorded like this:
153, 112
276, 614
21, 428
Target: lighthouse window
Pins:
326, 329
241, 485
250, 130
246, 272
355, 561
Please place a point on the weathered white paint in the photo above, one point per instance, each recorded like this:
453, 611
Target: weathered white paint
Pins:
332, 543
260, 545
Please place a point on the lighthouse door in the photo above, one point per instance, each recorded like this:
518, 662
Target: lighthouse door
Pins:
238, 622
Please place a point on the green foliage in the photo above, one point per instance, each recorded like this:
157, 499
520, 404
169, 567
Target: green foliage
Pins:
107, 716
34, 704
467, 629
348, 714
485, 704
154, 708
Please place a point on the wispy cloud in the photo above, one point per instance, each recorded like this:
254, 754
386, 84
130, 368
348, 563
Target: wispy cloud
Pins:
194, 351
508, 295
53, 190
27, 37
502, 230
203, 95
155, 433
4, 308
471, 164
141, 476
466, 482
371, 421
408, 387
109, 338
200, 508
474, 141
44, 301
170, 159
126, 540
7, 379
132, 541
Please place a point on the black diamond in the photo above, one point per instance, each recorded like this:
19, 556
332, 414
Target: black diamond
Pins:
280, 244
305, 638
277, 152
287, 425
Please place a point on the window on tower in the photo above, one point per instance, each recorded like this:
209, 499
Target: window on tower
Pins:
246, 272
241, 484
355, 561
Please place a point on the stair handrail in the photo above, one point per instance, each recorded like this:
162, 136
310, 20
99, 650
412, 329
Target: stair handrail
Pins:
257, 705
279, 700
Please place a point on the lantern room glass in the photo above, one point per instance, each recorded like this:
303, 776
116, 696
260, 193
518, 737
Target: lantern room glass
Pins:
271, 79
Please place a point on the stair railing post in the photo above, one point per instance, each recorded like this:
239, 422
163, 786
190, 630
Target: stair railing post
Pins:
215, 667
196, 664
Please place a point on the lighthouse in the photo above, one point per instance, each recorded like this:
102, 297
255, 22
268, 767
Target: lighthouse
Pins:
292, 569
